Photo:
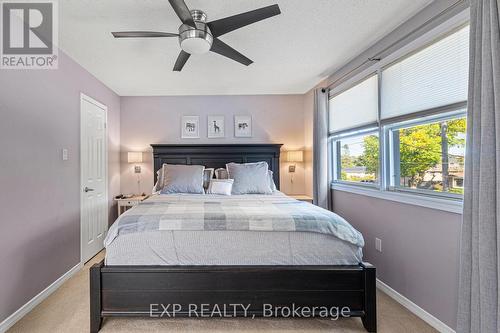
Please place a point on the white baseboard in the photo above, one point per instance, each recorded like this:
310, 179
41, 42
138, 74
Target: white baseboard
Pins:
26, 308
414, 308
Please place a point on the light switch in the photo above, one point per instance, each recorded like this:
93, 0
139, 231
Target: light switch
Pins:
65, 154
378, 244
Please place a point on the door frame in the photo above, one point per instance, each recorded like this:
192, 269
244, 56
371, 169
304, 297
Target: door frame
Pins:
86, 98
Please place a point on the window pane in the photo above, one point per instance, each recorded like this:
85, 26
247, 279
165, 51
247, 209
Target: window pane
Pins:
431, 156
359, 160
355, 107
433, 77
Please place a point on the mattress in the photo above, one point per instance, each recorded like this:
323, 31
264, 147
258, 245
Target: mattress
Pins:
229, 247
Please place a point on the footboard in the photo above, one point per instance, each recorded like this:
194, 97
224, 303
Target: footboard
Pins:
233, 291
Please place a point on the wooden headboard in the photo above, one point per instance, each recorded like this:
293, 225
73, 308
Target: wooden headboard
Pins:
216, 156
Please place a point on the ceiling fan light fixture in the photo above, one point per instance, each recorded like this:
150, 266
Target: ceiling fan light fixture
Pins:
195, 41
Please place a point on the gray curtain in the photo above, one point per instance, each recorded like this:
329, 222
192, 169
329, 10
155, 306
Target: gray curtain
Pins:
320, 149
478, 309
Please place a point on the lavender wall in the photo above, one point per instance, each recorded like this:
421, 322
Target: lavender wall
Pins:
420, 249
40, 196
146, 120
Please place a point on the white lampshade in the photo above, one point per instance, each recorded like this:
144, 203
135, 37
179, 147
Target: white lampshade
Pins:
134, 157
295, 156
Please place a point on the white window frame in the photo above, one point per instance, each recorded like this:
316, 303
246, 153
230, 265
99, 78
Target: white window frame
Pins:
335, 149
436, 200
391, 166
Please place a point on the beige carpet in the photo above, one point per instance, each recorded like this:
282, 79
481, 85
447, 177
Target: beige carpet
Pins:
67, 310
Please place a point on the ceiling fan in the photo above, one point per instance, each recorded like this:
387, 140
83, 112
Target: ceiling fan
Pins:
197, 36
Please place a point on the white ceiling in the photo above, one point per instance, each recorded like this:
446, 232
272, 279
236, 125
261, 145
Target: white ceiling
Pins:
292, 52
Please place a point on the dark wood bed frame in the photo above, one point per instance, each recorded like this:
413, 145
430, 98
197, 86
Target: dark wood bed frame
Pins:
117, 291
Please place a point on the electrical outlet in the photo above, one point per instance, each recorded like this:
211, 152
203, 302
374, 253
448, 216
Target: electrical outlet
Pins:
378, 244
65, 156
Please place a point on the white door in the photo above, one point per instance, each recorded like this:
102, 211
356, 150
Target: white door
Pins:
93, 164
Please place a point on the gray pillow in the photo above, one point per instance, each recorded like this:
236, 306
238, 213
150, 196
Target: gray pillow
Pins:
160, 179
271, 181
221, 173
249, 178
183, 179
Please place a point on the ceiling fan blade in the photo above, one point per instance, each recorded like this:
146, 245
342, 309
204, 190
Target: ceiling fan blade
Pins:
228, 24
141, 34
183, 12
225, 50
181, 61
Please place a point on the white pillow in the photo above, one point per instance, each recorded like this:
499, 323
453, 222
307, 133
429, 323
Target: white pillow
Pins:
208, 175
220, 186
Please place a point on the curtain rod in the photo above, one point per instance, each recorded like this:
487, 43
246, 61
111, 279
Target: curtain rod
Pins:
378, 56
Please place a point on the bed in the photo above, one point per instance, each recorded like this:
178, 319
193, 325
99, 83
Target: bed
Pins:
284, 253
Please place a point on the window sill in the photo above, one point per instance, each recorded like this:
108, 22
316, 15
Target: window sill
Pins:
444, 204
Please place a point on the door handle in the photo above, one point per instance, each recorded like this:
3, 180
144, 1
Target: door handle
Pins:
86, 189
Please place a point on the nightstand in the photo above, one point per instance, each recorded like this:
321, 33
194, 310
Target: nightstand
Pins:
126, 203
302, 197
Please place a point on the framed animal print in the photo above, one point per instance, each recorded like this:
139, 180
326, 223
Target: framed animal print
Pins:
190, 127
216, 126
243, 126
